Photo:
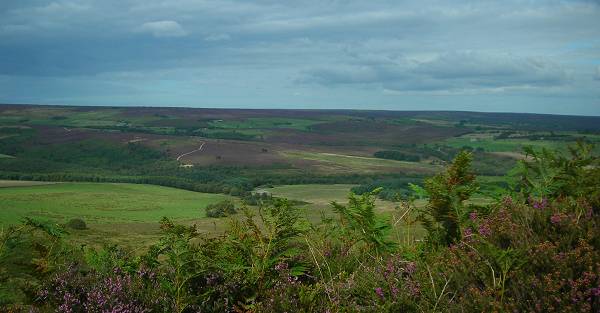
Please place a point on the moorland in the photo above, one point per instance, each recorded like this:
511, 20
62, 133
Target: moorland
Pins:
147, 209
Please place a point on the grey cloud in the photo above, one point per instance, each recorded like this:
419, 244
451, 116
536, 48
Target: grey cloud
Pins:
358, 19
597, 74
450, 71
326, 49
162, 29
14, 29
217, 37
493, 70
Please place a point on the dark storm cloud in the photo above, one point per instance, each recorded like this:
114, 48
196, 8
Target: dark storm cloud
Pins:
308, 53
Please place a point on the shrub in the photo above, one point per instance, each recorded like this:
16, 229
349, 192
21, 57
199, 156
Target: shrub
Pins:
363, 224
221, 209
76, 223
446, 211
396, 155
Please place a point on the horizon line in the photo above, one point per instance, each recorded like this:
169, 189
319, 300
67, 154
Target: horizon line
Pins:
287, 109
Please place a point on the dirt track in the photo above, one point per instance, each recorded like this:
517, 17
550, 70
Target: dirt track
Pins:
188, 153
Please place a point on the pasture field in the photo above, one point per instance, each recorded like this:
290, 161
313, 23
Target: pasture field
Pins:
487, 142
320, 196
126, 214
334, 162
256, 133
23, 183
317, 193
265, 123
501, 145
100, 203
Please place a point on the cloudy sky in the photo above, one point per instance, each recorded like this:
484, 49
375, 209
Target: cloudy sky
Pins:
518, 56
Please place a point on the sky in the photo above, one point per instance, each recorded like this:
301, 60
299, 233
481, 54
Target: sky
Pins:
493, 56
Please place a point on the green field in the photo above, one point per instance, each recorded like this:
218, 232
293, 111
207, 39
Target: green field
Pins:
22, 183
314, 194
102, 203
265, 123
124, 214
244, 131
350, 163
490, 144
320, 196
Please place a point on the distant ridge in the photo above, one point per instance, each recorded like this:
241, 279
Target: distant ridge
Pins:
524, 121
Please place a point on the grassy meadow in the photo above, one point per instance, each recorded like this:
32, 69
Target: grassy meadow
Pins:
115, 213
318, 198
335, 162
103, 203
265, 123
22, 183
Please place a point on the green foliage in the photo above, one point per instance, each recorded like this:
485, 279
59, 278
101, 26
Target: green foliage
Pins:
534, 251
182, 261
396, 155
257, 198
446, 211
259, 248
29, 253
221, 209
391, 188
76, 223
363, 223
231, 135
550, 174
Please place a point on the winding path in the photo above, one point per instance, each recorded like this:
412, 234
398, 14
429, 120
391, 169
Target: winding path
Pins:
188, 153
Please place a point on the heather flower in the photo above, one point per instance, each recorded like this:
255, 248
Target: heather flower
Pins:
395, 292
473, 216
540, 205
379, 292
484, 230
389, 269
281, 266
413, 288
211, 279
43, 294
411, 267
589, 213
555, 219
390, 266
467, 232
